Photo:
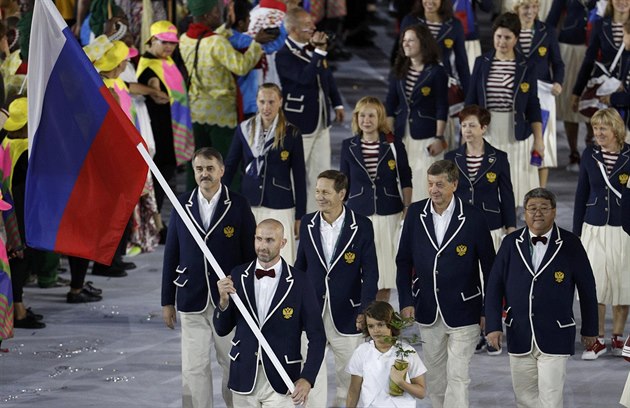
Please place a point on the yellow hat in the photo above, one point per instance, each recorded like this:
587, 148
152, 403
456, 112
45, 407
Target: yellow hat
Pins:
98, 47
18, 115
113, 57
164, 30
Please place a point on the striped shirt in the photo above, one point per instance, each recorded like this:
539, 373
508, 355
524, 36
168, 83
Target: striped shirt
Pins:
617, 32
370, 156
525, 40
609, 160
434, 28
473, 163
500, 87
412, 78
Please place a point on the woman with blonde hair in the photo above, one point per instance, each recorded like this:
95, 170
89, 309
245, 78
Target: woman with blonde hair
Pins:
379, 182
597, 218
270, 151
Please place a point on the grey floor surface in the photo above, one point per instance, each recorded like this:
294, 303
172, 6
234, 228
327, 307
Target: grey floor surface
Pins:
118, 353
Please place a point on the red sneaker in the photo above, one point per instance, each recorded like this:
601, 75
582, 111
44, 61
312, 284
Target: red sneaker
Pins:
597, 349
616, 345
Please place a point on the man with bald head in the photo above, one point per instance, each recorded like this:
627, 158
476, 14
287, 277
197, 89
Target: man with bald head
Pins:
282, 302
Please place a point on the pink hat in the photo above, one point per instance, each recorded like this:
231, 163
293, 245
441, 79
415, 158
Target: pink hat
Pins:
133, 52
3, 204
165, 31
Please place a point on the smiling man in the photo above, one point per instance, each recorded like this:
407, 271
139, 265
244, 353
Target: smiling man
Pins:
444, 241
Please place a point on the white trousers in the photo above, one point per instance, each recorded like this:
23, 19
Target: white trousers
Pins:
263, 395
538, 379
197, 336
317, 156
342, 348
447, 353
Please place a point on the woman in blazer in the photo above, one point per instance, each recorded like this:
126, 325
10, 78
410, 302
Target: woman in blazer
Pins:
376, 165
417, 103
504, 84
270, 150
597, 218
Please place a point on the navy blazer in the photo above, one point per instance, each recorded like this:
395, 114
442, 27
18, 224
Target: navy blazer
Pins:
273, 189
544, 54
625, 209
491, 190
539, 305
230, 238
451, 40
302, 77
349, 282
595, 203
427, 105
602, 48
293, 310
621, 100
575, 12
446, 278
526, 104
379, 196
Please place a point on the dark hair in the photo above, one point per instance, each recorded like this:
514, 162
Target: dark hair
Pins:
508, 20
429, 50
340, 179
444, 167
381, 311
475, 110
208, 153
241, 11
445, 11
540, 192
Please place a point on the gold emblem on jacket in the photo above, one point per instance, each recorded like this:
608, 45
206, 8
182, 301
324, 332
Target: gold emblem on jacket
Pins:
542, 51
426, 90
287, 312
228, 231
349, 257
558, 276
392, 164
524, 87
461, 250
448, 43
284, 155
491, 176
623, 179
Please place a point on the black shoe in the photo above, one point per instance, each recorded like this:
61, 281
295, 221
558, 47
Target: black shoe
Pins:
82, 297
481, 345
28, 323
87, 286
34, 315
111, 271
124, 265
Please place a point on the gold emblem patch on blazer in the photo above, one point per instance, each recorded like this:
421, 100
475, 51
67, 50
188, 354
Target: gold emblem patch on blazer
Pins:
349, 257
558, 276
392, 164
491, 176
461, 250
542, 51
524, 87
284, 155
228, 231
623, 179
426, 90
448, 43
287, 312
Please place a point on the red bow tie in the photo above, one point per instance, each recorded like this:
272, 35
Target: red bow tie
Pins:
536, 240
261, 272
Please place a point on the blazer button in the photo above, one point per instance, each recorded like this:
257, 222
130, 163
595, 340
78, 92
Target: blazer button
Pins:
470, 201
410, 120
605, 209
328, 278
606, 198
437, 272
532, 315
470, 189
260, 187
256, 353
437, 289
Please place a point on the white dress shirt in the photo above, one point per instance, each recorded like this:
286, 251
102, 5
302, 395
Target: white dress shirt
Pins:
330, 235
265, 288
538, 250
440, 222
206, 208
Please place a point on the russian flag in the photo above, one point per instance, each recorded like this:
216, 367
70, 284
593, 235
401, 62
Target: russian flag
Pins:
462, 9
85, 174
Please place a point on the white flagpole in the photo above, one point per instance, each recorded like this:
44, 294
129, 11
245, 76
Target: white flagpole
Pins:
215, 266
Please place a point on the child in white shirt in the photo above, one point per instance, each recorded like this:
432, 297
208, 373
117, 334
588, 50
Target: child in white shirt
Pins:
371, 366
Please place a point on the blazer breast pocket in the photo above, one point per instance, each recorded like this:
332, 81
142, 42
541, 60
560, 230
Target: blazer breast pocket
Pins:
280, 184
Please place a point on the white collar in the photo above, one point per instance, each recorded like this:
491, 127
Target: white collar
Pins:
336, 222
277, 267
449, 210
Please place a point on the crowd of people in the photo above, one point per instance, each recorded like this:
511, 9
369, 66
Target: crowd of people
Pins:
241, 96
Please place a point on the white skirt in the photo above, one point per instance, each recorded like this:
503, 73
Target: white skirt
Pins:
607, 248
473, 50
287, 219
386, 230
497, 237
572, 55
548, 103
500, 134
419, 160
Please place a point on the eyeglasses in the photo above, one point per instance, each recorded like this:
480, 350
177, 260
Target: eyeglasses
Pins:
534, 210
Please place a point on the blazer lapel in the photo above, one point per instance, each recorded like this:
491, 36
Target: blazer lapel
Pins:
247, 282
282, 291
357, 153
523, 248
192, 208
348, 231
455, 224
489, 159
223, 206
426, 218
554, 245
460, 161
621, 160
316, 237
